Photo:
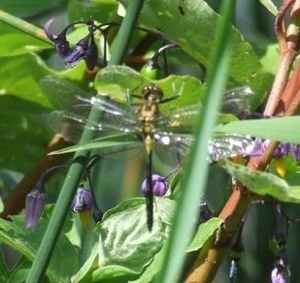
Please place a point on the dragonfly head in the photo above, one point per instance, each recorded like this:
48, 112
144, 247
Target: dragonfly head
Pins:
152, 93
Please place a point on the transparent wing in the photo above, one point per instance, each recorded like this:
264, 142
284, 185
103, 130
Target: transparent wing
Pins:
237, 100
228, 145
171, 148
115, 117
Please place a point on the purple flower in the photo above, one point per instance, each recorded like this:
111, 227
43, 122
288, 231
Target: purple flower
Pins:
34, 205
280, 272
61, 44
83, 200
282, 150
160, 185
85, 49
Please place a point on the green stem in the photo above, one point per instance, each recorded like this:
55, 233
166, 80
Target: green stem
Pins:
195, 180
24, 26
76, 169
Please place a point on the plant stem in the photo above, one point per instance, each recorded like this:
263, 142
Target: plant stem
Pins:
79, 162
24, 26
194, 186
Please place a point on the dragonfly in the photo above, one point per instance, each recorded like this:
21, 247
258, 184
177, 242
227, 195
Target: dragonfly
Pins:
144, 125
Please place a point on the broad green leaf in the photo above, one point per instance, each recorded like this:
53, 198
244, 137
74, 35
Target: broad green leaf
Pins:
4, 272
278, 129
263, 183
115, 81
117, 273
125, 244
270, 59
100, 10
28, 8
85, 272
203, 233
191, 24
26, 241
15, 42
24, 135
153, 268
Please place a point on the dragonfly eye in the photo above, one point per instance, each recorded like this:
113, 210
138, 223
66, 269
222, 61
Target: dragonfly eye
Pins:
152, 93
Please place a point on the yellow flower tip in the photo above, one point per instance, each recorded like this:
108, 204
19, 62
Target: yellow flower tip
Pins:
85, 219
280, 166
238, 159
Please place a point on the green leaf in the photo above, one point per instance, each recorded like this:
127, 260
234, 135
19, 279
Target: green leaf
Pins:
4, 272
125, 244
23, 131
27, 9
26, 241
191, 24
105, 145
204, 231
1, 205
15, 42
263, 183
116, 81
153, 268
100, 10
278, 129
270, 6
117, 273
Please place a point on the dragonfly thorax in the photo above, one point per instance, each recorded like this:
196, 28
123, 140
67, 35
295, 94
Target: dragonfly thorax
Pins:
152, 94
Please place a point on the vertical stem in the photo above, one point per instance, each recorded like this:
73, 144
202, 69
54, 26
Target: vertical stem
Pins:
79, 162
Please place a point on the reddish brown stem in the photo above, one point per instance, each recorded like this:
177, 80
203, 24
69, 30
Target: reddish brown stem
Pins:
211, 255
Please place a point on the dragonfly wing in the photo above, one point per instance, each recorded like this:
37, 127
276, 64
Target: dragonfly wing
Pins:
65, 95
70, 123
183, 116
171, 148
237, 100
229, 145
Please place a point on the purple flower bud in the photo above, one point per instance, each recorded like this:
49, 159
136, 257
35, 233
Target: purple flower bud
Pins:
91, 54
34, 205
280, 273
74, 57
83, 200
79, 53
160, 186
295, 151
61, 44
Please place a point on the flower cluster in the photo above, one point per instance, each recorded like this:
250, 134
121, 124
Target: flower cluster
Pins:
85, 49
83, 202
283, 150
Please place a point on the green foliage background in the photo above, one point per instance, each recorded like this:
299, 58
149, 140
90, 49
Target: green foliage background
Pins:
24, 106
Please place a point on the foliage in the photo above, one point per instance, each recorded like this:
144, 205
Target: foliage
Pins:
120, 248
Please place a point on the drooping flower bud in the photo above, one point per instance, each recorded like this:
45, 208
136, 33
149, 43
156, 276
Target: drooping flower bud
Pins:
83, 200
160, 186
82, 203
34, 205
60, 41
